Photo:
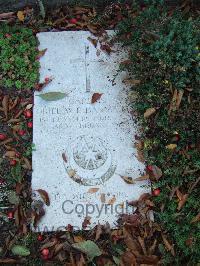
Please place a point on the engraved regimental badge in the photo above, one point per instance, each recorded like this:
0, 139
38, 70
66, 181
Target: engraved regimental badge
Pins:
89, 161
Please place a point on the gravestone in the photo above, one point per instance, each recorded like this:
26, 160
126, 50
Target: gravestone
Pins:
83, 148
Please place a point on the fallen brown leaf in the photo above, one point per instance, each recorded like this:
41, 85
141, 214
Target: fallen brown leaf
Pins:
127, 179
128, 259
132, 81
20, 15
78, 239
126, 62
93, 190
149, 112
10, 154
168, 246
112, 201
106, 47
86, 222
131, 243
99, 231
196, 219
58, 247
41, 53
157, 172
176, 100
182, 199
6, 141
9, 261
95, 97
27, 163
150, 259
49, 244
171, 146
5, 105
6, 15
64, 157
93, 41
44, 196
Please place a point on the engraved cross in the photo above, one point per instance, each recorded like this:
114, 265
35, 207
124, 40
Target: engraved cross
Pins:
86, 64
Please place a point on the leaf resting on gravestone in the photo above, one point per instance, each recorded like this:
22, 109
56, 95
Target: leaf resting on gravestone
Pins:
89, 248
44, 196
127, 179
64, 157
52, 96
95, 97
93, 190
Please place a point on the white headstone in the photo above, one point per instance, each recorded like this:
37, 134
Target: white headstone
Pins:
97, 139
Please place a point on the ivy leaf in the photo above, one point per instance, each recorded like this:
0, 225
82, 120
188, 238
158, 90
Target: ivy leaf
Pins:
89, 248
142, 178
132, 81
20, 251
44, 196
52, 96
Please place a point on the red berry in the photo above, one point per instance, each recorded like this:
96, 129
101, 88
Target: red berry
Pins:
13, 162
46, 79
45, 252
21, 132
40, 238
177, 137
10, 215
17, 154
7, 35
156, 192
73, 21
28, 113
150, 167
30, 124
2, 136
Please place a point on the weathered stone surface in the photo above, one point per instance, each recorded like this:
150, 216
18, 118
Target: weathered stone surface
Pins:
82, 148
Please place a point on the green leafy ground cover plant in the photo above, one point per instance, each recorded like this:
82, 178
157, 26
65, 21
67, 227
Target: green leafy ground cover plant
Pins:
18, 66
164, 61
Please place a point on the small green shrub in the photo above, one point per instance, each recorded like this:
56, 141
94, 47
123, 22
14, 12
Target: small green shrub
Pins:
165, 57
18, 51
